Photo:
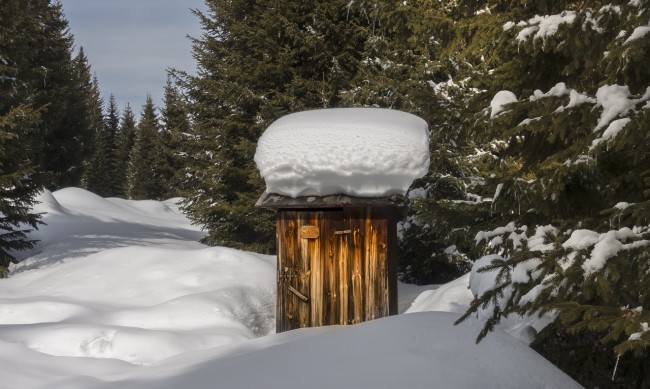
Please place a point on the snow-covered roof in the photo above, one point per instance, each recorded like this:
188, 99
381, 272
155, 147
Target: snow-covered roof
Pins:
365, 152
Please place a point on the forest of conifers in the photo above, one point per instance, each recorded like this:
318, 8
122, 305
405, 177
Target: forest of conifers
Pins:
550, 192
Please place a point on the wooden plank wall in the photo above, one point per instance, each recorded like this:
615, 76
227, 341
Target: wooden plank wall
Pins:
344, 276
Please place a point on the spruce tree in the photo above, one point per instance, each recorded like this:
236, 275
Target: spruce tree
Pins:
175, 131
52, 75
82, 110
20, 128
101, 173
257, 61
19, 183
147, 160
405, 67
125, 140
93, 179
547, 189
112, 128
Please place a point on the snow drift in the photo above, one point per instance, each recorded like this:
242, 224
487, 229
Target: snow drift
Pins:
119, 294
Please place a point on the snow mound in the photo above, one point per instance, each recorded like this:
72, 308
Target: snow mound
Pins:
413, 351
118, 294
47, 203
367, 152
454, 296
126, 280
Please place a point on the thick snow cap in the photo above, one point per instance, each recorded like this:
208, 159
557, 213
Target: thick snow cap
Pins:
364, 152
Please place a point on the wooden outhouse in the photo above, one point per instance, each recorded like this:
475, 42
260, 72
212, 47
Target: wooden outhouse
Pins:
336, 258
337, 177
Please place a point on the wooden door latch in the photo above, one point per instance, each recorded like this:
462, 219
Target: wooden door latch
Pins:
298, 294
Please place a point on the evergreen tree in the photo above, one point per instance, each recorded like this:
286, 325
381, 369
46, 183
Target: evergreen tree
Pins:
112, 128
257, 61
125, 140
405, 66
52, 76
539, 173
147, 160
176, 129
101, 173
19, 183
20, 129
83, 110
96, 123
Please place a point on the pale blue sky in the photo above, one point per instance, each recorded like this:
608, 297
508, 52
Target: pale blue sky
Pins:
131, 43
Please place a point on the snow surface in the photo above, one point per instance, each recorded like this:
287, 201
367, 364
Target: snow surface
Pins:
367, 152
119, 294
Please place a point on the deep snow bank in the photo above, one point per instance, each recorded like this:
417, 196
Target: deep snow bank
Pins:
119, 294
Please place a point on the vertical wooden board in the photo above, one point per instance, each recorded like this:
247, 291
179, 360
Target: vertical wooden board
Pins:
326, 255
280, 316
330, 247
303, 271
286, 270
376, 249
316, 266
391, 262
381, 290
290, 268
371, 261
294, 272
357, 271
343, 242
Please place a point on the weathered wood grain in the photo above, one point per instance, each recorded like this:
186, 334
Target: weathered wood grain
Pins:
343, 274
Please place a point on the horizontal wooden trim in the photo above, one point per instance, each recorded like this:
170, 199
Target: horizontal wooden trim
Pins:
271, 200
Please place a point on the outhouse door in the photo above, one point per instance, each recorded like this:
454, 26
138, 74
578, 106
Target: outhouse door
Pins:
332, 267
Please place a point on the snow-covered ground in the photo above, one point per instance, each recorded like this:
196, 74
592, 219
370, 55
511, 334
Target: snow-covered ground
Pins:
119, 294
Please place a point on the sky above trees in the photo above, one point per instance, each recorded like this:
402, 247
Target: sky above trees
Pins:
131, 43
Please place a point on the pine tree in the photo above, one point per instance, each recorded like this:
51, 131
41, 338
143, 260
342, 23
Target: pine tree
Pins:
147, 160
125, 140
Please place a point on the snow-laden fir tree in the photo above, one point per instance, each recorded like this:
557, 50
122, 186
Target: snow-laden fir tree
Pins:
545, 146
406, 66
